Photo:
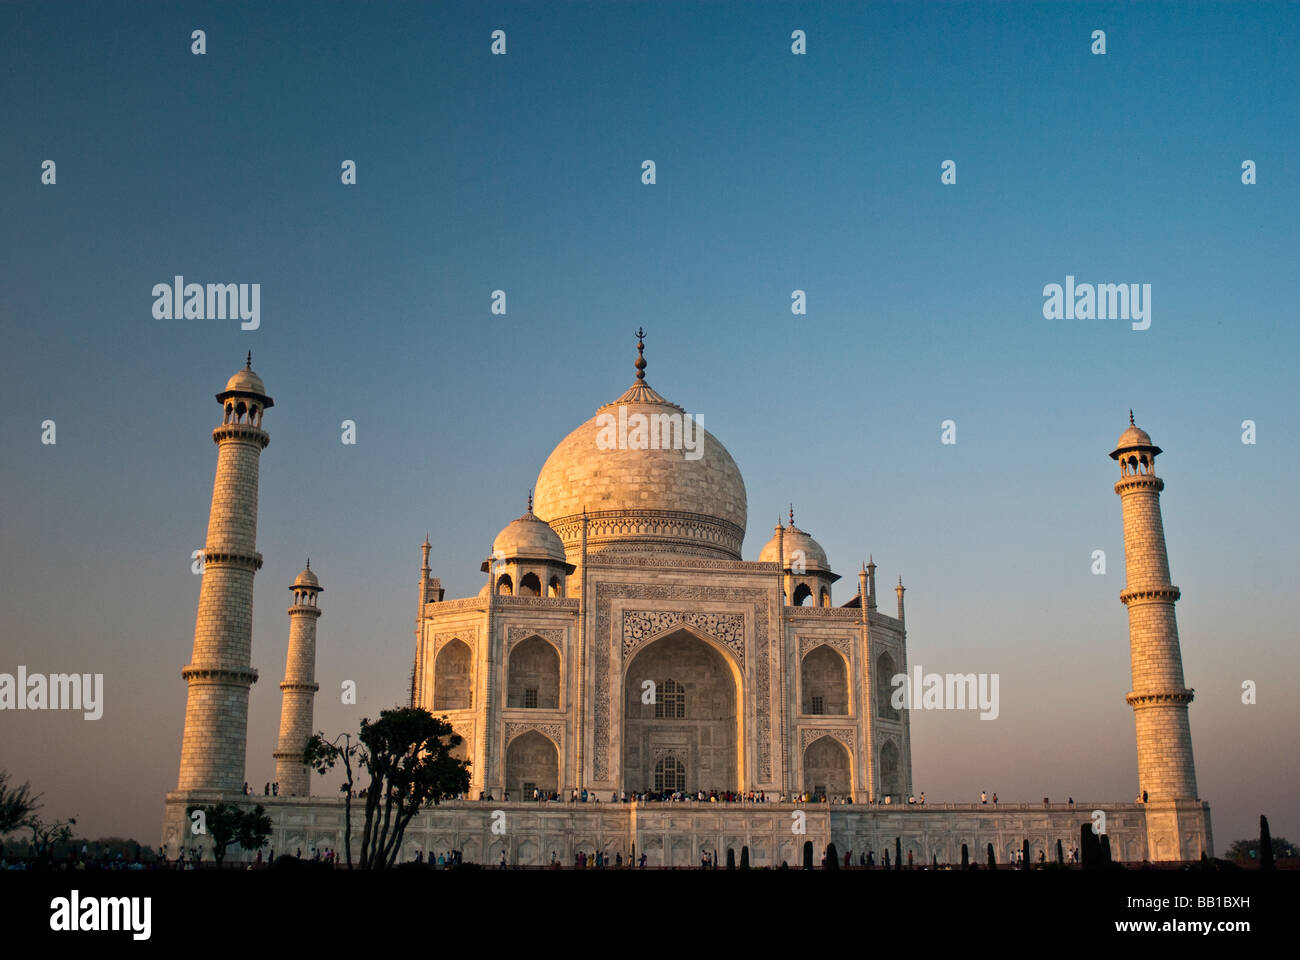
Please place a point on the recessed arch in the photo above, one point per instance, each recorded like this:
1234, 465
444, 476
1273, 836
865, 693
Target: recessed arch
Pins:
669, 774
891, 772
453, 674
802, 594
533, 675
827, 768
709, 738
824, 682
505, 586
885, 672
532, 761
530, 585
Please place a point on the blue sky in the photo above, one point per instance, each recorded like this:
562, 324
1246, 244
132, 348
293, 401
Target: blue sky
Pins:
774, 173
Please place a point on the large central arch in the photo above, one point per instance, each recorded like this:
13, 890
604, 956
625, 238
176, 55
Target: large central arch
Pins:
693, 720
532, 762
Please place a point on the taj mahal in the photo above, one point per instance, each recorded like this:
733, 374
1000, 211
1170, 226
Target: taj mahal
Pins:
621, 647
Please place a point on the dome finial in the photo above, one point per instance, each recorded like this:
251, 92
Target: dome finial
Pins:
1130, 418
640, 354
248, 364
309, 563
792, 514
530, 501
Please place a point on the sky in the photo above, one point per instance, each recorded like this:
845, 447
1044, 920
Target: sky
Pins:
774, 172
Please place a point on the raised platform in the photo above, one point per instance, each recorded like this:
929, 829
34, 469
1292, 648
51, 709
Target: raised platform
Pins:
673, 834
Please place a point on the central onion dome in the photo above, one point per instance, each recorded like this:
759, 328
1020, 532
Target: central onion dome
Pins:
651, 480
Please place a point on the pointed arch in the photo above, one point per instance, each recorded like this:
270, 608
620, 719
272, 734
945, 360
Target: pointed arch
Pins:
453, 677
824, 682
533, 675
828, 768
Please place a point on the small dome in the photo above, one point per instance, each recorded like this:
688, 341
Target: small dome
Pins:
306, 579
1134, 436
246, 381
529, 538
814, 557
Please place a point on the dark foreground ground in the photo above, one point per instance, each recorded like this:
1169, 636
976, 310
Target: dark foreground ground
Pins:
587, 911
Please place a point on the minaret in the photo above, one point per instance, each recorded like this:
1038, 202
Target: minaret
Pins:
1159, 698
299, 687
219, 673
417, 664
900, 590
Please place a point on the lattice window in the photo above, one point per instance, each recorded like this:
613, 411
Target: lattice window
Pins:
530, 696
670, 701
670, 775
818, 704
529, 787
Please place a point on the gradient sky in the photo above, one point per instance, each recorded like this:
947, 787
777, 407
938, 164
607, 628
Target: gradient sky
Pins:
775, 172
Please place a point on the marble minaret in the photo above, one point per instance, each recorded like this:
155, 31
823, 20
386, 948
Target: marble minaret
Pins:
1159, 698
220, 673
299, 687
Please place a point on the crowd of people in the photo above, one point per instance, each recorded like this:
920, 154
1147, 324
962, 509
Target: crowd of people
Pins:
42, 856
681, 796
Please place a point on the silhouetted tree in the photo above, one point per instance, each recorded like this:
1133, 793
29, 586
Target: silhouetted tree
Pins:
744, 857
1265, 844
832, 858
1247, 851
46, 834
807, 855
993, 863
407, 752
1024, 854
965, 857
16, 804
227, 824
1089, 847
1060, 853
731, 858
898, 854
